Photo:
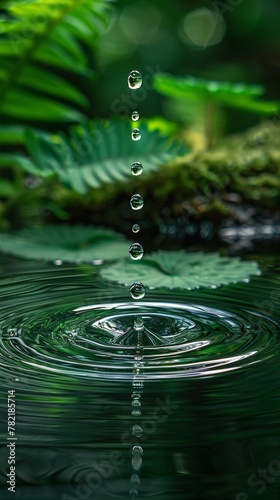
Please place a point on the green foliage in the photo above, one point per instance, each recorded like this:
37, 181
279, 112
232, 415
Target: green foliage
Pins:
66, 243
42, 43
98, 154
237, 95
181, 270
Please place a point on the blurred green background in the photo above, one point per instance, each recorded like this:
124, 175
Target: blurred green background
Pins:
64, 68
212, 40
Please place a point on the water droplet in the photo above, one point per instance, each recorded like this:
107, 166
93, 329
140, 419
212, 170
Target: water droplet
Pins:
133, 494
136, 168
134, 80
136, 134
137, 290
135, 480
136, 251
137, 430
138, 323
135, 228
135, 116
136, 202
137, 450
136, 462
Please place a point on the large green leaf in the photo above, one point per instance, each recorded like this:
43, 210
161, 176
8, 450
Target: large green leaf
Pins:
41, 32
98, 153
238, 95
178, 269
65, 243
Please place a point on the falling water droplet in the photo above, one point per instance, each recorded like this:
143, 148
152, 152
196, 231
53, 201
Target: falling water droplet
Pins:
135, 228
137, 290
136, 251
134, 80
135, 116
136, 202
136, 134
137, 430
136, 461
136, 168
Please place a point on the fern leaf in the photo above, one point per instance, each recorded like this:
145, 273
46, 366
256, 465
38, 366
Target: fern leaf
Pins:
41, 32
98, 154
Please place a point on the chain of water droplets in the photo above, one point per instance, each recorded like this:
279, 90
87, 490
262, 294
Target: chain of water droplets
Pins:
137, 291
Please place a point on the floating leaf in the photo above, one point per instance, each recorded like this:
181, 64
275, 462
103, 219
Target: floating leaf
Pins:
66, 243
178, 269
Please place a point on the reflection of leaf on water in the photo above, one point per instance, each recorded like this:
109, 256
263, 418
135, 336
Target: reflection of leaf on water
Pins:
178, 269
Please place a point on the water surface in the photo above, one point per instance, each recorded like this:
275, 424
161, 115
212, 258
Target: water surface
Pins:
207, 374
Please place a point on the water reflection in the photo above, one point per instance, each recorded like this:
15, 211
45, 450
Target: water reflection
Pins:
206, 436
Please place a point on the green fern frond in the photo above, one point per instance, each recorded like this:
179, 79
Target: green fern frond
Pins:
40, 33
236, 95
98, 153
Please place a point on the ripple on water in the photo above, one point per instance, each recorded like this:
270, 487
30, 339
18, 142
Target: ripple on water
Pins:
64, 322
209, 363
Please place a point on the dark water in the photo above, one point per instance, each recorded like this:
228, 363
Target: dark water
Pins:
206, 372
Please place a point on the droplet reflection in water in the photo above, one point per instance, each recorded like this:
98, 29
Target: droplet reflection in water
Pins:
137, 430
206, 352
134, 80
137, 450
136, 168
136, 202
136, 251
136, 134
135, 116
135, 228
136, 462
133, 494
137, 290
135, 480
